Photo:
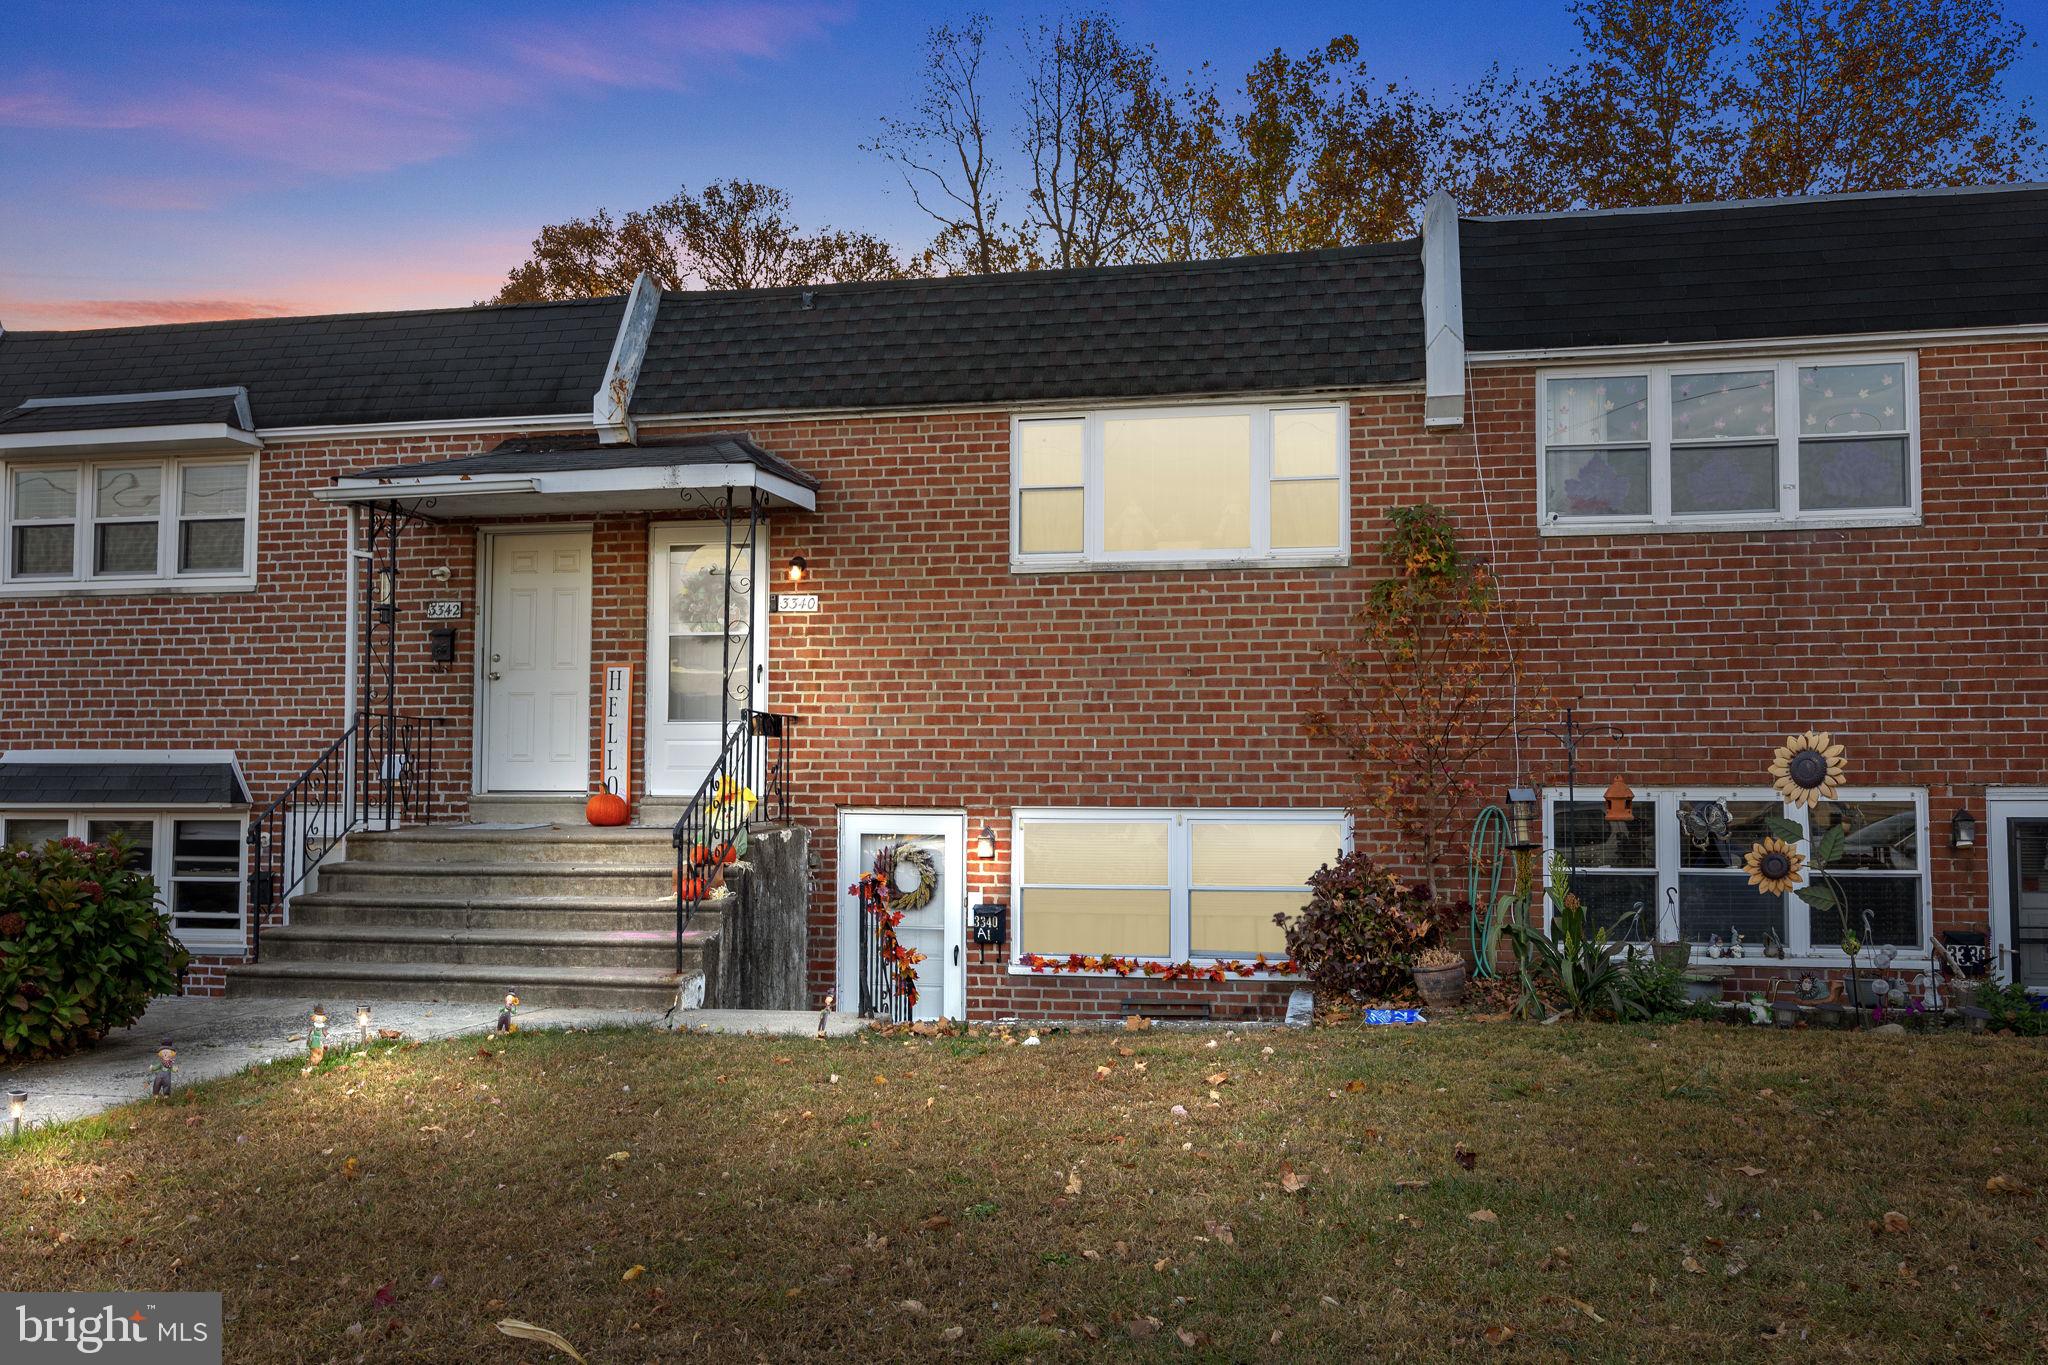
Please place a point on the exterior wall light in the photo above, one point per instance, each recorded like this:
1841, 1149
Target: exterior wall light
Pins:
1523, 822
387, 584
798, 567
1962, 831
17, 1101
985, 846
1620, 802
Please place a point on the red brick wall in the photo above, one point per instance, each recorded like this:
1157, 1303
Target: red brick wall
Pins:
932, 677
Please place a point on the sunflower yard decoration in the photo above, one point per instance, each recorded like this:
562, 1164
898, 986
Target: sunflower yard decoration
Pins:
1774, 866
1808, 768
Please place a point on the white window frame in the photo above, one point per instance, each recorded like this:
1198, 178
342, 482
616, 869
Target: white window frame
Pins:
203, 943
1788, 513
1178, 861
1261, 553
1799, 946
85, 522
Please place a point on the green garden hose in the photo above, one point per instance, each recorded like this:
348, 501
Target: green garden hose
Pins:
1490, 860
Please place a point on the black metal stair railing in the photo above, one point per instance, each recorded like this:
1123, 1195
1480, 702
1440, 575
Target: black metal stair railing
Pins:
379, 770
750, 781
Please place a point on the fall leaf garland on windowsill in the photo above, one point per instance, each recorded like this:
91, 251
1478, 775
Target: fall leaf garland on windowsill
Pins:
1219, 970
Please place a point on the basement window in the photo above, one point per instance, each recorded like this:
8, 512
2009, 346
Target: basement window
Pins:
1737, 444
196, 862
1179, 488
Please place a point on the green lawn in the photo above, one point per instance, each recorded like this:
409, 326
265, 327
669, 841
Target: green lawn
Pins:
1676, 1193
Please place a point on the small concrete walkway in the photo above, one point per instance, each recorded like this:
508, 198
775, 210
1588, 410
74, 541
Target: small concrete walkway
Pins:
219, 1037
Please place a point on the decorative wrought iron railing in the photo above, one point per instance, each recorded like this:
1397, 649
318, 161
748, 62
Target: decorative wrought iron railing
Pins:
888, 982
380, 770
749, 782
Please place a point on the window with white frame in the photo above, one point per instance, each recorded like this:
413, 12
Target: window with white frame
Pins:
1186, 485
1165, 885
119, 523
1749, 442
194, 857
1675, 871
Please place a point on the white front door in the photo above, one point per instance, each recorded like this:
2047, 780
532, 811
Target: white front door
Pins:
925, 846
537, 663
2017, 839
691, 659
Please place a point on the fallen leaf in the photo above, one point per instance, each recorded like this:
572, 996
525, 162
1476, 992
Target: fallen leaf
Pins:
1102, 1072
633, 1272
1353, 1087
350, 1168
1219, 1077
1189, 1339
1290, 1181
936, 1223
1091, 1331
1693, 1267
953, 1334
1137, 1023
1496, 1336
912, 1307
1751, 1170
1159, 1266
1483, 1216
526, 1331
1141, 1328
1073, 1182
1222, 1233
1411, 1184
1465, 1156
1894, 1221
1639, 1228
1999, 1184
386, 1295
1585, 1308
619, 1156
881, 1080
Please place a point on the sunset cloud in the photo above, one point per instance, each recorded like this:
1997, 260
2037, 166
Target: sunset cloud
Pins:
30, 315
355, 112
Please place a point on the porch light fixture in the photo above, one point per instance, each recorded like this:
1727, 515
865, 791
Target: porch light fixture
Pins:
985, 846
17, 1101
1522, 820
798, 567
387, 584
1620, 802
1962, 831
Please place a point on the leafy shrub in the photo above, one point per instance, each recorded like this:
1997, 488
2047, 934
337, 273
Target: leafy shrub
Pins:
1651, 989
2011, 1007
1362, 928
82, 947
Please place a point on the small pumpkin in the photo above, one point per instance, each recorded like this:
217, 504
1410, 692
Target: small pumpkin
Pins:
699, 855
691, 888
606, 808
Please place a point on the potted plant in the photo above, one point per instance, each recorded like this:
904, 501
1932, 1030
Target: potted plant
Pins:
1440, 975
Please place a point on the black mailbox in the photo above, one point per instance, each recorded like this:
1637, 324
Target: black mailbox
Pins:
441, 644
991, 922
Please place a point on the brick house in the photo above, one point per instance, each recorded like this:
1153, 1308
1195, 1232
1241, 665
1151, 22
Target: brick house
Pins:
342, 618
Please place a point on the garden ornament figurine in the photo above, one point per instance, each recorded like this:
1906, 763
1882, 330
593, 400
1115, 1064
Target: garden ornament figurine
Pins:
1734, 941
161, 1068
316, 1039
505, 1024
1773, 945
1810, 989
1715, 947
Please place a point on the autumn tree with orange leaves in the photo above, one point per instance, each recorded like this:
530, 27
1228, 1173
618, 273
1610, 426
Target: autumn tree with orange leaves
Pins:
1429, 684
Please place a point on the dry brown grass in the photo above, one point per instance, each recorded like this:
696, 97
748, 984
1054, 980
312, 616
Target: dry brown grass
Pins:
1676, 1193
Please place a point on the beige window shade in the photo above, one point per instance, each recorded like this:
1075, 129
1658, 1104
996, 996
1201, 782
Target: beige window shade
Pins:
1050, 499
1305, 444
1095, 852
1260, 853
1304, 514
1240, 923
1061, 920
1177, 483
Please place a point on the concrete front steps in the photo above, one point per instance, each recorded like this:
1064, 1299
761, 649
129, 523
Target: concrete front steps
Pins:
560, 914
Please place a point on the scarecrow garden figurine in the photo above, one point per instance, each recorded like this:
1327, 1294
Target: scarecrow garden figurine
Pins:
316, 1039
160, 1070
505, 1024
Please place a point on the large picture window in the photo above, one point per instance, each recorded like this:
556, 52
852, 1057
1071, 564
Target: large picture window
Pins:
1165, 885
196, 861
1187, 485
127, 523
1675, 870
1750, 443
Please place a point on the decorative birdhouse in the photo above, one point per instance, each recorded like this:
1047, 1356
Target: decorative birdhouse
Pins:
1621, 800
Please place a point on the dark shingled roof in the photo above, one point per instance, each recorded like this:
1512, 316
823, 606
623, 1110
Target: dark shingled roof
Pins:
1340, 318
160, 412
87, 783
1783, 268
515, 360
556, 454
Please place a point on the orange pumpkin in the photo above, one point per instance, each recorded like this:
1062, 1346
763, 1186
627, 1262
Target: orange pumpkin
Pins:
606, 808
699, 855
726, 854
691, 888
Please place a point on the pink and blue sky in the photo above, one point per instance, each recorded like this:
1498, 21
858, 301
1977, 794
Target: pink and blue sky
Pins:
166, 161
